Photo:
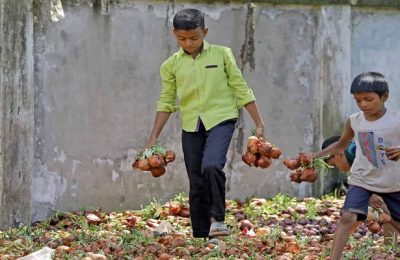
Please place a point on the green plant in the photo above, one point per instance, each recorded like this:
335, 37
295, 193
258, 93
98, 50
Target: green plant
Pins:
152, 210
181, 198
312, 211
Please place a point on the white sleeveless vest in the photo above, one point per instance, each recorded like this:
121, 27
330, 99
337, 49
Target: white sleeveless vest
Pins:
371, 168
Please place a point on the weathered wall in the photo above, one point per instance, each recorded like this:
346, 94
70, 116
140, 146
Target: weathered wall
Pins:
16, 106
97, 80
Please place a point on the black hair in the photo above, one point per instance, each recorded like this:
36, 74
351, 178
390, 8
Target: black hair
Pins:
370, 82
349, 153
327, 142
188, 19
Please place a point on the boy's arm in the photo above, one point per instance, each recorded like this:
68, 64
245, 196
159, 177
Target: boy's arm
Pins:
340, 145
255, 115
243, 94
166, 103
159, 123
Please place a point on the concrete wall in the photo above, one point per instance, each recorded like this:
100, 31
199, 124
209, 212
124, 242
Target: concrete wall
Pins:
16, 106
96, 83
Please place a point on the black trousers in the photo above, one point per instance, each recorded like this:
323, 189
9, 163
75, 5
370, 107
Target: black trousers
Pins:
205, 157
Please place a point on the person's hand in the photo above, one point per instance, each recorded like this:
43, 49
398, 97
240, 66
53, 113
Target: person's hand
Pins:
260, 131
375, 201
151, 142
393, 153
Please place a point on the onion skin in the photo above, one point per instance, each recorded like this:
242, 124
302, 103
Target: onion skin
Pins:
374, 227
144, 165
252, 144
170, 156
185, 213
292, 164
295, 176
135, 164
264, 148
264, 162
309, 175
245, 223
305, 158
249, 158
158, 171
156, 161
275, 152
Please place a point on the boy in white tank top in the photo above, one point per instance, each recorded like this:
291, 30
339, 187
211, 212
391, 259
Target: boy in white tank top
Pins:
376, 167
343, 162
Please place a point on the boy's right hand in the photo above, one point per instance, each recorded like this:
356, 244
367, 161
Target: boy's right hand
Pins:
375, 201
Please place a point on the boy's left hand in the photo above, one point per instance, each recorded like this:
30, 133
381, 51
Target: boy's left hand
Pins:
393, 153
260, 131
375, 201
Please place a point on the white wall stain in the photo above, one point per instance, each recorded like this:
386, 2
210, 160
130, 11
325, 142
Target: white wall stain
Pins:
61, 157
75, 164
309, 132
103, 161
130, 158
272, 13
51, 186
114, 176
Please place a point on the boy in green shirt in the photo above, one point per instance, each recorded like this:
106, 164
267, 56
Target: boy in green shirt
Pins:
210, 89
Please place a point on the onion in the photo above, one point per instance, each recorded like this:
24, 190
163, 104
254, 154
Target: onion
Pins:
374, 227
135, 164
264, 148
144, 165
295, 176
292, 164
157, 171
308, 175
185, 213
175, 210
264, 162
249, 158
170, 156
245, 223
156, 161
275, 152
305, 158
252, 144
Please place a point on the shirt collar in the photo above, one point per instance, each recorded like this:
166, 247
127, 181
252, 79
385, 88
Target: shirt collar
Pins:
205, 46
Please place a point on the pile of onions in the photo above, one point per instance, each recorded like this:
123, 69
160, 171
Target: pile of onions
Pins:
260, 153
154, 159
304, 167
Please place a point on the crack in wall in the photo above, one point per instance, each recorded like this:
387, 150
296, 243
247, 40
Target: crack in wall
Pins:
247, 57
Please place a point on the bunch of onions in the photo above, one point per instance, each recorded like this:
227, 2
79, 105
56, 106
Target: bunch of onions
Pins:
376, 219
304, 167
259, 152
154, 159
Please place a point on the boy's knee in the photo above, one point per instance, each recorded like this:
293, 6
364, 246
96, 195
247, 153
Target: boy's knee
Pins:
348, 218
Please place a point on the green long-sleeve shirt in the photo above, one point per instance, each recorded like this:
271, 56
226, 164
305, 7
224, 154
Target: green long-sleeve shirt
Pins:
210, 87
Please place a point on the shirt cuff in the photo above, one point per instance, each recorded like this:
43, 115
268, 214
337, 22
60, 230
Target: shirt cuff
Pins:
164, 107
245, 100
